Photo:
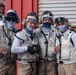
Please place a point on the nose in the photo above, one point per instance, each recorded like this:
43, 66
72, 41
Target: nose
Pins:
33, 25
60, 24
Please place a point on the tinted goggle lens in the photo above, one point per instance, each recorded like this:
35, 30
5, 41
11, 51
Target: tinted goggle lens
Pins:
10, 19
47, 18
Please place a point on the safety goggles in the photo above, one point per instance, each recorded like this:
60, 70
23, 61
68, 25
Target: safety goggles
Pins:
11, 19
47, 18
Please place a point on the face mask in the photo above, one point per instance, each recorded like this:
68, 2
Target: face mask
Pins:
46, 30
29, 29
46, 27
62, 28
10, 25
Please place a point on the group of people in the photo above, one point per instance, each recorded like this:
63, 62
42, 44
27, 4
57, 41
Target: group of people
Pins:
46, 50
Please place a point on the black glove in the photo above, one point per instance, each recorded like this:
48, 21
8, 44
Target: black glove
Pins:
33, 49
37, 48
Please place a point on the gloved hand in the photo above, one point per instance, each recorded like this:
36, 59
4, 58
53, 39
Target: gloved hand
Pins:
33, 49
37, 48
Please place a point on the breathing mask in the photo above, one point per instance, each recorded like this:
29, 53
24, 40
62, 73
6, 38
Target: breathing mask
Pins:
46, 26
10, 25
62, 28
61, 23
28, 29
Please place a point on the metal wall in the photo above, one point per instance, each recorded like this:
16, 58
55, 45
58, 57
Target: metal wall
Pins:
22, 7
66, 8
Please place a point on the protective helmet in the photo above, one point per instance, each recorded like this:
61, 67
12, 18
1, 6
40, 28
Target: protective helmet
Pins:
62, 21
47, 14
30, 17
32, 14
11, 14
